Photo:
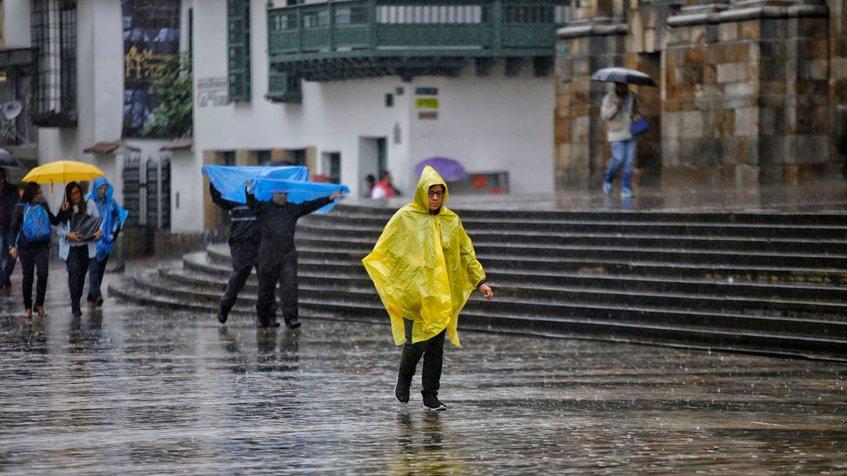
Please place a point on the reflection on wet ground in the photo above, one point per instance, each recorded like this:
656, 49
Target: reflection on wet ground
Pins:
129, 389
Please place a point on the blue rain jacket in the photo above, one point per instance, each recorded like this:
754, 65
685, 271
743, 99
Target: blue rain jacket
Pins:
230, 180
113, 215
298, 192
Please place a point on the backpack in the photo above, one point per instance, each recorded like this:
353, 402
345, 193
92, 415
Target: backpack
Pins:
36, 223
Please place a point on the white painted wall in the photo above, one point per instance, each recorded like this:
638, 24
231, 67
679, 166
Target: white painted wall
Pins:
16, 24
492, 123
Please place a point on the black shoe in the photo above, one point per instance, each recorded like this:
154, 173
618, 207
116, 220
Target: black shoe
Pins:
76, 313
293, 323
401, 390
98, 302
431, 402
222, 315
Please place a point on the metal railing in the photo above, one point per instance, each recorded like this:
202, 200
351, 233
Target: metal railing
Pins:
430, 28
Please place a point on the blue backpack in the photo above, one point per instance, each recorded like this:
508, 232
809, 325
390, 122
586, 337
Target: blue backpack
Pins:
36, 223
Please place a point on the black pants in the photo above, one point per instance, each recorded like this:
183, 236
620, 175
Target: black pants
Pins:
273, 270
432, 351
243, 260
95, 278
77, 268
34, 259
7, 261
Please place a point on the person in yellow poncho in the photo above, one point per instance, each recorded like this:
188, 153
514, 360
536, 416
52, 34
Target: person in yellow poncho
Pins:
424, 268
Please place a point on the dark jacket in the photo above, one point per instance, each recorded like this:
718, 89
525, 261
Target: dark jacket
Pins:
16, 237
277, 223
244, 226
8, 199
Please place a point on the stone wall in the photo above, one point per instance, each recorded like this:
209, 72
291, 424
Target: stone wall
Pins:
751, 92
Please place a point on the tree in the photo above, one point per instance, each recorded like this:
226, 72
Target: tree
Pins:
174, 87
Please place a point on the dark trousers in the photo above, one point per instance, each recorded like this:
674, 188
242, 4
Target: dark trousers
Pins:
282, 270
243, 255
7, 261
34, 259
432, 351
96, 270
77, 268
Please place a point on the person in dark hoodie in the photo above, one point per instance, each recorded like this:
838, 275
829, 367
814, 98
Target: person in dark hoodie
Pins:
277, 261
243, 247
8, 199
29, 240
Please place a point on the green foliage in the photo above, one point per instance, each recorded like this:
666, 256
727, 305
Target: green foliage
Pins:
174, 87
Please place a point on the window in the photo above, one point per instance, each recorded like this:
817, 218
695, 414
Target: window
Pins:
54, 38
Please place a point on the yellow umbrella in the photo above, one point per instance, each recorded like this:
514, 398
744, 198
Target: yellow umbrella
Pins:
63, 171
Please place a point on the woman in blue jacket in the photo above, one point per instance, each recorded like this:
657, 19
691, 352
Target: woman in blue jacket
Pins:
113, 217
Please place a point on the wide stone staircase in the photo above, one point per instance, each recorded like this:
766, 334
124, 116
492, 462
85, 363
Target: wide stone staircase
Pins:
756, 282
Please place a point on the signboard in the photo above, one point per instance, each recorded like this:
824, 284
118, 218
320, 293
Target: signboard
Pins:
426, 103
151, 37
212, 92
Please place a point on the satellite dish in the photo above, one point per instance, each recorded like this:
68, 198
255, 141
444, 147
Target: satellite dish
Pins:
11, 109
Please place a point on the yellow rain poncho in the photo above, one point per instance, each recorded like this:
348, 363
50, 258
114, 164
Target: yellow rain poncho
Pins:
424, 266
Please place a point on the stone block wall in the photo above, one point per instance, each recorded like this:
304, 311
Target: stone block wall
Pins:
746, 101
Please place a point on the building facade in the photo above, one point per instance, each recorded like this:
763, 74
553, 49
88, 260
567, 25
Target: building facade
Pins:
751, 91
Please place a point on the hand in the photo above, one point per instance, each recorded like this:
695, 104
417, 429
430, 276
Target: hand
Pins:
336, 195
13, 252
74, 236
249, 185
65, 205
97, 235
486, 291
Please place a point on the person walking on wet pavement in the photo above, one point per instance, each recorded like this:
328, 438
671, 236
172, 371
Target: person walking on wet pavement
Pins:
277, 257
620, 109
424, 268
78, 232
8, 199
29, 240
244, 238
112, 216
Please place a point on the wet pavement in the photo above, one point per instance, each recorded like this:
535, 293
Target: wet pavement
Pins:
134, 390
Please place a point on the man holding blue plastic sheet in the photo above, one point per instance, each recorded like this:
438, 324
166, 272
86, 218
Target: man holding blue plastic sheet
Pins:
243, 246
277, 257
226, 187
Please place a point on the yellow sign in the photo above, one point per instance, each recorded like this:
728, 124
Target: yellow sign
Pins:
426, 103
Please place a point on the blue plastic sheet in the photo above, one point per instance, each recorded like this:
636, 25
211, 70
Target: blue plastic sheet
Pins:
230, 180
298, 192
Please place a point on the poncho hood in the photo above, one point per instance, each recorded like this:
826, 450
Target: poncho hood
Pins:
110, 191
424, 267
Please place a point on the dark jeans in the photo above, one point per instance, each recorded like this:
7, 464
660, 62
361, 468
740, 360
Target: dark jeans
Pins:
32, 259
243, 260
7, 262
95, 278
283, 271
432, 351
77, 268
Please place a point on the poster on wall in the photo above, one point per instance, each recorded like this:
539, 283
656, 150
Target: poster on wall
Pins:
151, 37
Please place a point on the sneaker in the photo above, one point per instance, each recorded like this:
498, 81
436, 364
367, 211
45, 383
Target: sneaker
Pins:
607, 188
627, 193
293, 323
401, 390
431, 402
222, 315
99, 302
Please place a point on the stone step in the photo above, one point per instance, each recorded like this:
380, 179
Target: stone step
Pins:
529, 294
609, 328
802, 258
836, 219
736, 294
368, 235
547, 271
370, 224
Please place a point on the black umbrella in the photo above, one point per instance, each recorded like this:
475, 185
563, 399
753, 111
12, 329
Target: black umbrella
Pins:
7, 160
622, 75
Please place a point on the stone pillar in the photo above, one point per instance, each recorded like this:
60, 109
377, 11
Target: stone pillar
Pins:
746, 92
838, 83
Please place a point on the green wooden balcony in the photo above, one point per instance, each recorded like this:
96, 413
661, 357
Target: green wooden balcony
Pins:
364, 38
